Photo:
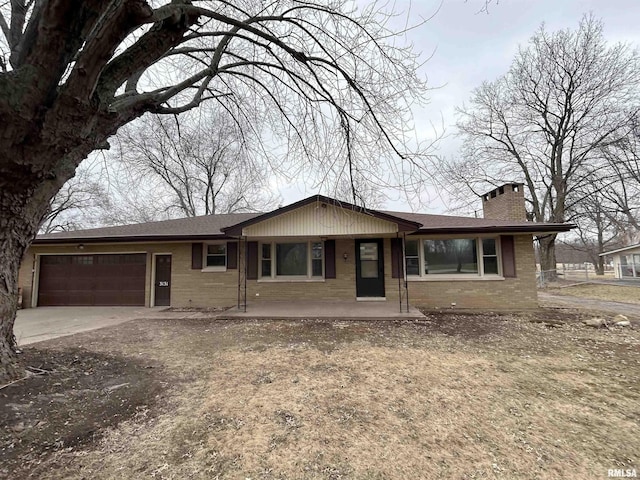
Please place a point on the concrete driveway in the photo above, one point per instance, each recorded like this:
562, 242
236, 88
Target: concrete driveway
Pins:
43, 323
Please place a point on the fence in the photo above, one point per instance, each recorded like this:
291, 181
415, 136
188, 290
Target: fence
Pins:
572, 274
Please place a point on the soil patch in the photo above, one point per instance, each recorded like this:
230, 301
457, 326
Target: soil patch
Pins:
197, 309
466, 325
75, 396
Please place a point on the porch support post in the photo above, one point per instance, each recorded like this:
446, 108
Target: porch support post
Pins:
242, 273
399, 267
404, 273
239, 268
245, 273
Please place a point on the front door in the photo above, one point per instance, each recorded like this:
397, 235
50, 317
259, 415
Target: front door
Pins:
163, 281
369, 268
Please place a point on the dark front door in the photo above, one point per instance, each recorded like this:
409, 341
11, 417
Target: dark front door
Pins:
163, 281
369, 268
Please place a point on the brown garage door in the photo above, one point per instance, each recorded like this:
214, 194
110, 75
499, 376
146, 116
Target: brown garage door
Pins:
92, 280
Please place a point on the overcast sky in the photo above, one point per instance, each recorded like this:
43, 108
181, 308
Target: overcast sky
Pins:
469, 47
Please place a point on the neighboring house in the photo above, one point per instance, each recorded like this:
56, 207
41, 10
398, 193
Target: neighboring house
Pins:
626, 261
316, 249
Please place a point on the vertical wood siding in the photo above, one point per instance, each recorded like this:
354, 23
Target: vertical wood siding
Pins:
320, 219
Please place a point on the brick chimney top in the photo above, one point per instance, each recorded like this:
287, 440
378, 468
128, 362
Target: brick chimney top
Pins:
505, 203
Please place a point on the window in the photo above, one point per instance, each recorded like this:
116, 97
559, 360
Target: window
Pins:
489, 256
266, 259
216, 256
412, 256
316, 259
630, 265
452, 257
82, 259
299, 259
369, 260
291, 259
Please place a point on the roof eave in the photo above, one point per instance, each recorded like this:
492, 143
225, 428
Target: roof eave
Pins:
531, 229
623, 249
130, 239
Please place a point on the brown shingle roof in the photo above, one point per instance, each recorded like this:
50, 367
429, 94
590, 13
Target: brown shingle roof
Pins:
451, 224
207, 226
180, 228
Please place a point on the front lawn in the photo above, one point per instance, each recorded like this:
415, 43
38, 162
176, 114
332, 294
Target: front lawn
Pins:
597, 291
455, 396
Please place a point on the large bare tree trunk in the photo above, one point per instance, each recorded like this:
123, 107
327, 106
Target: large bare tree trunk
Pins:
598, 261
25, 194
599, 266
9, 367
21, 208
547, 246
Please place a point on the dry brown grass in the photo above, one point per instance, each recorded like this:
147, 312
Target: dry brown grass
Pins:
612, 293
265, 400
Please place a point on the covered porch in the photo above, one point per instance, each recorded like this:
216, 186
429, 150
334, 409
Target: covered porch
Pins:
322, 256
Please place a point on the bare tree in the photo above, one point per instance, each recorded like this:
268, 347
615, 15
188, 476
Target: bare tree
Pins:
566, 95
131, 202
200, 163
73, 72
359, 192
598, 223
622, 188
80, 202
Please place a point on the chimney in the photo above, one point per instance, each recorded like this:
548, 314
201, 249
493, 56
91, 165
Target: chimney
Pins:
505, 203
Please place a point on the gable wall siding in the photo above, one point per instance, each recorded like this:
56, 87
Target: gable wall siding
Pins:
315, 220
195, 288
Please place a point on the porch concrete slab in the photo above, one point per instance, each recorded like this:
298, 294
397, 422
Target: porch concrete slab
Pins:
44, 323
376, 310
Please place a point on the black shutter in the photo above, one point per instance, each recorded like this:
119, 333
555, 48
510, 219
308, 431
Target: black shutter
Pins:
196, 256
507, 246
232, 255
397, 269
329, 259
252, 260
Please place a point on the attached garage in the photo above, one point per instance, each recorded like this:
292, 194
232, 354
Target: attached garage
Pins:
100, 279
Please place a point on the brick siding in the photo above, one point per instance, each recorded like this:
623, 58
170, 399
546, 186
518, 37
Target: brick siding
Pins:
195, 288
